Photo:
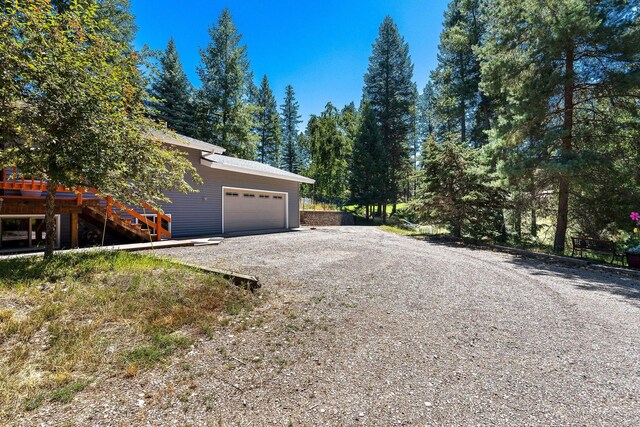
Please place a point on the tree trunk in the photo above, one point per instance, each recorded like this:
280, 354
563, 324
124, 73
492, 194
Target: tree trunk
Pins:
367, 212
457, 231
562, 218
50, 221
567, 142
534, 223
384, 213
517, 220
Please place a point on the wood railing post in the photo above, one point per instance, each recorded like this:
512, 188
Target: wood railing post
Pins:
158, 226
74, 229
78, 196
109, 207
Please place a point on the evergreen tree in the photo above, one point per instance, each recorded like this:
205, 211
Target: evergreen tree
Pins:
458, 189
391, 95
173, 93
425, 113
367, 166
567, 76
291, 156
267, 125
459, 106
223, 112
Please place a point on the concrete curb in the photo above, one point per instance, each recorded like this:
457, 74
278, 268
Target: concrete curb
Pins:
129, 247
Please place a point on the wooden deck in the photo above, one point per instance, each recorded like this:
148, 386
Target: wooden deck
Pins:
26, 196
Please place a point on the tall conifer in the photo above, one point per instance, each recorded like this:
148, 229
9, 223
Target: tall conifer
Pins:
291, 156
223, 112
267, 125
173, 93
390, 93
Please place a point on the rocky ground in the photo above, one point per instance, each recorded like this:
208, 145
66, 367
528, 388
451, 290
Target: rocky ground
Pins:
363, 327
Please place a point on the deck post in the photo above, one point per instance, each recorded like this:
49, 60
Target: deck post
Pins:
158, 226
74, 229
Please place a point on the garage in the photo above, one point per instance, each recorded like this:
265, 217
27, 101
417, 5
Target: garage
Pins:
247, 209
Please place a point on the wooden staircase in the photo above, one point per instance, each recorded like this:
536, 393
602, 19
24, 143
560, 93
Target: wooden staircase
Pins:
116, 224
126, 222
86, 203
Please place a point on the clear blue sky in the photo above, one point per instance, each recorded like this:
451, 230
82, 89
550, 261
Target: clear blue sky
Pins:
321, 48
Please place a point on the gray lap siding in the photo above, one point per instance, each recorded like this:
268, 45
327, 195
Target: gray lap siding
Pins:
200, 213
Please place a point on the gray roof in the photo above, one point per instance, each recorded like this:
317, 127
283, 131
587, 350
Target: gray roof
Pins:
218, 161
185, 141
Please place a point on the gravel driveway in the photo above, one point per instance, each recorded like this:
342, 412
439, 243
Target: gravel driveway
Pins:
385, 330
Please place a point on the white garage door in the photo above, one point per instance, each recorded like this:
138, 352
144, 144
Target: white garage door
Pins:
250, 210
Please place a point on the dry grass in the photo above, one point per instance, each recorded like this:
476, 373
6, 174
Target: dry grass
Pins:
66, 323
425, 230
319, 207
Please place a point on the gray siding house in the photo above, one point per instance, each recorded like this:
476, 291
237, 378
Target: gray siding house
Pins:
236, 195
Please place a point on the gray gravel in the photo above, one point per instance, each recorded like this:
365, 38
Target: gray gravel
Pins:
367, 328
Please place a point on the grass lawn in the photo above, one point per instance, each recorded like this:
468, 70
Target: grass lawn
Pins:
67, 322
360, 210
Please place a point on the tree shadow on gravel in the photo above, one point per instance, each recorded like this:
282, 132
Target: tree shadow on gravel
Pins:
585, 278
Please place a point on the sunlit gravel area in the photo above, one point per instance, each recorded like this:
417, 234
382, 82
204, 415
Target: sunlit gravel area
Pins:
365, 328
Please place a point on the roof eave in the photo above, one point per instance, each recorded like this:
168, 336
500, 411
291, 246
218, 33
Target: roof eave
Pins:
178, 140
230, 168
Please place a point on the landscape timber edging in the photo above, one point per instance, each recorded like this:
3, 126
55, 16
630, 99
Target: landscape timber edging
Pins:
238, 279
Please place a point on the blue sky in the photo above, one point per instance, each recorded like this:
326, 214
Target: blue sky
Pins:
321, 48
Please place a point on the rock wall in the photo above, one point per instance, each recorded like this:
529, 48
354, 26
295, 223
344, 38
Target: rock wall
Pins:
325, 218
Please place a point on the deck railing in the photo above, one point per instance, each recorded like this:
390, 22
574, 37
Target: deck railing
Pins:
12, 181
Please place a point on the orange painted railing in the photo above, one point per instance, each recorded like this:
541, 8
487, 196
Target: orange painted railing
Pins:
9, 182
155, 228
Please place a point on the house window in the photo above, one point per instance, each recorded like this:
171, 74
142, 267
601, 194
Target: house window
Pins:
264, 196
25, 231
277, 197
230, 194
249, 195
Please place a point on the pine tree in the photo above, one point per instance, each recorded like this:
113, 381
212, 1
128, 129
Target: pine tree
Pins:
458, 188
291, 156
173, 93
267, 125
425, 113
367, 166
391, 95
223, 112
459, 105
567, 76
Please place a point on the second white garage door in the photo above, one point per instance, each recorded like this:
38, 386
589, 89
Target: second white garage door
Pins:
251, 210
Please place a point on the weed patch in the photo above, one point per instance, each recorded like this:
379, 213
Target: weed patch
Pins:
81, 315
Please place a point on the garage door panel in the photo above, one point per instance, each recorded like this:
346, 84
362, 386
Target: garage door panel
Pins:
246, 210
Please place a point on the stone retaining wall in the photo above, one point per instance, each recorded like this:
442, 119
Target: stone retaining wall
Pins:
325, 218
